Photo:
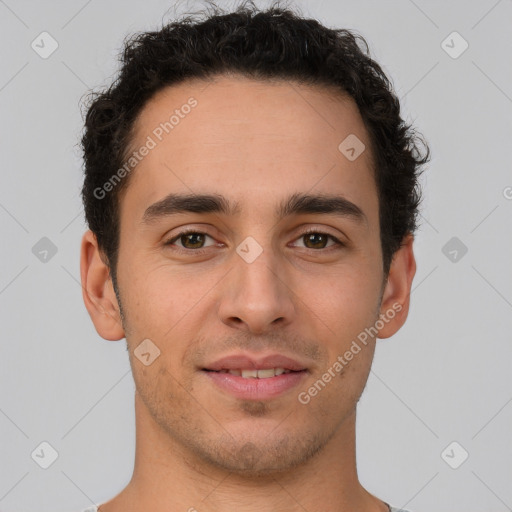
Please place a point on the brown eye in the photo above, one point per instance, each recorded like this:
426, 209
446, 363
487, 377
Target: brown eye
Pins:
317, 240
191, 240
194, 239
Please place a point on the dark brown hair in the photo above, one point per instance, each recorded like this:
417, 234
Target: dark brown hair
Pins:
272, 44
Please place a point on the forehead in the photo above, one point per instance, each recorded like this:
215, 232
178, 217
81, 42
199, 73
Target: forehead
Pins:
247, 136
233, 108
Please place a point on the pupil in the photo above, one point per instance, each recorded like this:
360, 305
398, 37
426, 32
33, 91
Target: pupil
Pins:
312, 236
192, 236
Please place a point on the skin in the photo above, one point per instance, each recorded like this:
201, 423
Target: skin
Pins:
198, 447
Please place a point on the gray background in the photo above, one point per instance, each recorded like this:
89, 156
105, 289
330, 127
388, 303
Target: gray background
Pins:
446, 376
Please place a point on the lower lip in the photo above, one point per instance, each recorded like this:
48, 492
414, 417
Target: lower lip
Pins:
254, 388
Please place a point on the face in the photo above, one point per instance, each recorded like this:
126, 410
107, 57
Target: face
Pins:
263, 273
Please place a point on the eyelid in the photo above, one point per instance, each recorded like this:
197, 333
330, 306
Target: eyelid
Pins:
306, 231
337, 242
187, 231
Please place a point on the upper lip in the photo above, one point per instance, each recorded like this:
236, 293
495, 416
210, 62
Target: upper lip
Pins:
246, 362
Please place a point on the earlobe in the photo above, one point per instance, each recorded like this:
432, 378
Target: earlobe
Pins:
97, 290
395, 300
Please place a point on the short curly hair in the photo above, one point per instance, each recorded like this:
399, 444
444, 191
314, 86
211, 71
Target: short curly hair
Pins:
271, 44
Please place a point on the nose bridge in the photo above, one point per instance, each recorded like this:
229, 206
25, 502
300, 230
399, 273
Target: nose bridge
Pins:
257, 295
256, 267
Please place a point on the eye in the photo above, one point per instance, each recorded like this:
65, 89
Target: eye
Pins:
190, 240
193, 241
314, 239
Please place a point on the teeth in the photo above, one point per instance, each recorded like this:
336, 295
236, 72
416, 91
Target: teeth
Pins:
247, 374
257, 374
265, 374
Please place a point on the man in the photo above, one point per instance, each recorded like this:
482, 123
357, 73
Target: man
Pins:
251, 192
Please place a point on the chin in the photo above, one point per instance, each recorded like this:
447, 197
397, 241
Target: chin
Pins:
263, 457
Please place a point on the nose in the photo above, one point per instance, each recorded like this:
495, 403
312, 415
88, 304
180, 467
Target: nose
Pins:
257, 296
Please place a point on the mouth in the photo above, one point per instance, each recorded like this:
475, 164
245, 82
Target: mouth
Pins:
246, 377
264, 373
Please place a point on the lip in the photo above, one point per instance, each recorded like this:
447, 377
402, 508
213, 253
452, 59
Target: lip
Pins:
246, 362
255, 388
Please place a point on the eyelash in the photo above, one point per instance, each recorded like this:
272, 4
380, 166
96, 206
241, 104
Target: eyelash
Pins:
338, 244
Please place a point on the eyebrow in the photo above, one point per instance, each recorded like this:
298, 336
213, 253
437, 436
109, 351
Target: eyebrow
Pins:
296, 204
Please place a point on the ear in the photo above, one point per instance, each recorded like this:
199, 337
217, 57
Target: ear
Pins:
395, 300
97, 290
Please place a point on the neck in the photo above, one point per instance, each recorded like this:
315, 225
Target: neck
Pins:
167, 477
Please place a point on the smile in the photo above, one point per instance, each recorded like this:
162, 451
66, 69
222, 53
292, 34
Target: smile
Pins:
256, 374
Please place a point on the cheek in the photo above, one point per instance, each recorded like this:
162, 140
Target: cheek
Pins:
156, 295
166, 305
346, 300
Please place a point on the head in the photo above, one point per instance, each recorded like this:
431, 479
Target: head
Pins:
246, 128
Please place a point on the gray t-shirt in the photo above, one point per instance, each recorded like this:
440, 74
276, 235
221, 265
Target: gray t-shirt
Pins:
391, 509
